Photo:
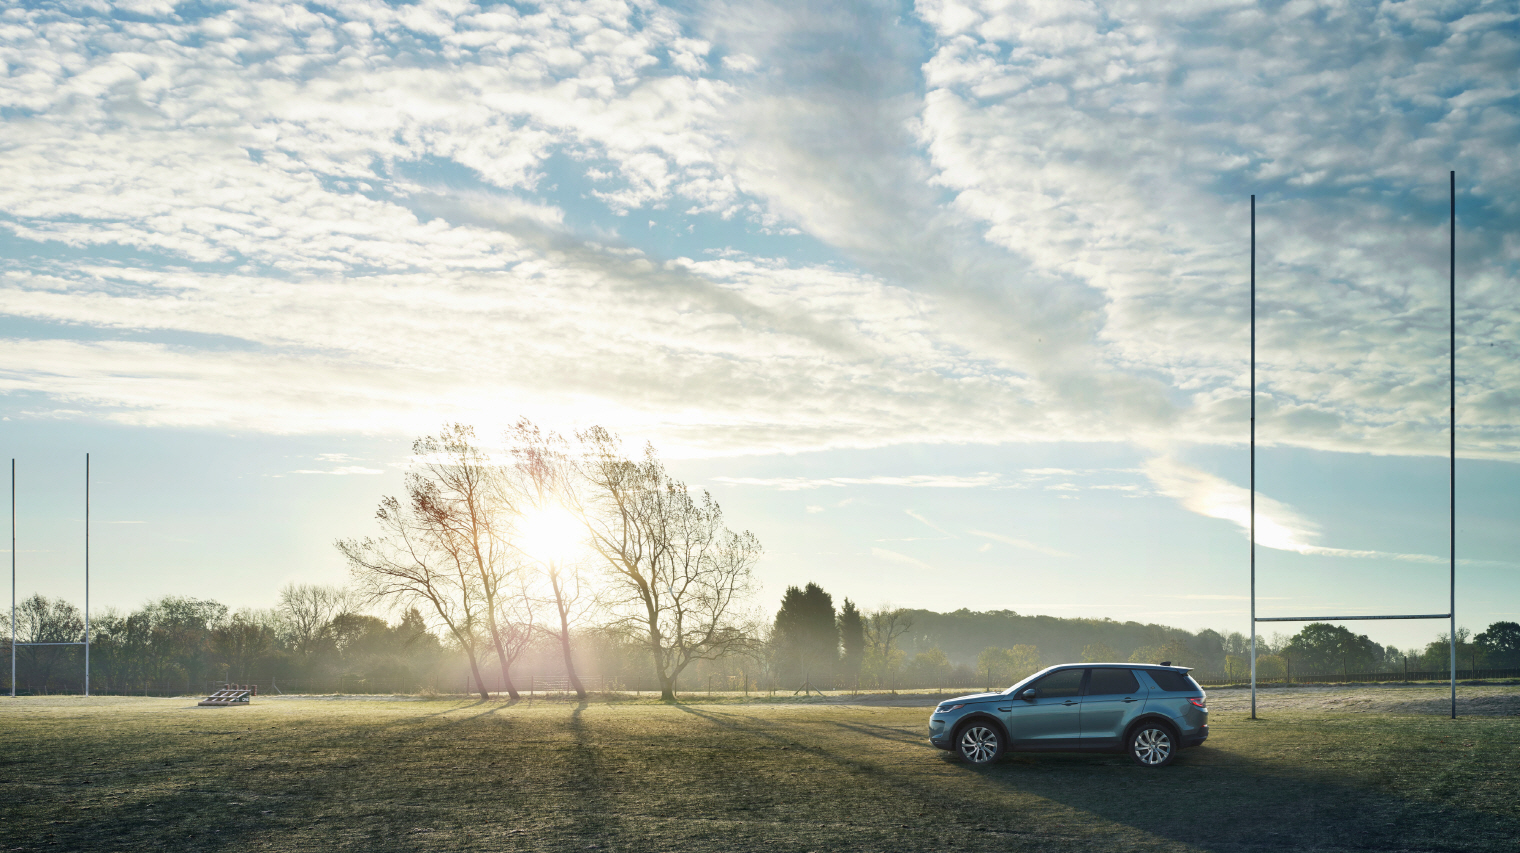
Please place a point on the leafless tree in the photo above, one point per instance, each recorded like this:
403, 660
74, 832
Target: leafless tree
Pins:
884, 626
541, 483
46, 620
406, 563
308, 609
680, 577
241, 640
457, 497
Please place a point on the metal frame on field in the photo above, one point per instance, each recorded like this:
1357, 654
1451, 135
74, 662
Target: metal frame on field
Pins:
1451, 612
86, 642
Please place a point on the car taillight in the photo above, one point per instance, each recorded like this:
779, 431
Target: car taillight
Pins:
1197, 703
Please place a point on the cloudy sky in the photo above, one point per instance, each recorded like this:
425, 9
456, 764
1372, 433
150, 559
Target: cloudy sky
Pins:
948, 302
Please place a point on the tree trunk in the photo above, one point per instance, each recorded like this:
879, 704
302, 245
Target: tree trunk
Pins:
506, 665
506, 677
485, 695
564, 642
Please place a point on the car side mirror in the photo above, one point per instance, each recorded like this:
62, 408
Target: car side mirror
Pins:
1028, 695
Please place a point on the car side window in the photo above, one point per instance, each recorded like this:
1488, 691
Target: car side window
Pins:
1058, 685
1171, 680
1112, 682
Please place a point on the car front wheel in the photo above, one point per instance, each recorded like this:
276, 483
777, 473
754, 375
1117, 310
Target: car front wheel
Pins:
1152, 745
979, 743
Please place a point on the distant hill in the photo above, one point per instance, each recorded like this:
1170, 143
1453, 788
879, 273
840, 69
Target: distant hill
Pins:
963, 634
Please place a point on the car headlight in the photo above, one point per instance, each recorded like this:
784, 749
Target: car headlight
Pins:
945, 708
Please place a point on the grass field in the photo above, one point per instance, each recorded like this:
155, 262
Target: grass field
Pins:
364, 774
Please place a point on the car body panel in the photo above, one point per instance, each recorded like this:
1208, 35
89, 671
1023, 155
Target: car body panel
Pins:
1107, 715
1190, 721
1044, 722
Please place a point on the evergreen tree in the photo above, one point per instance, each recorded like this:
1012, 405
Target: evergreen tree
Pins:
806, 637
852, 639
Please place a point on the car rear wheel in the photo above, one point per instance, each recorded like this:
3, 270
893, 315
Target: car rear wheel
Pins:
1152, 745
979, 743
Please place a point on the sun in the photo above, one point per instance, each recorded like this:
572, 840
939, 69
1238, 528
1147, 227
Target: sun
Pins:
550, 534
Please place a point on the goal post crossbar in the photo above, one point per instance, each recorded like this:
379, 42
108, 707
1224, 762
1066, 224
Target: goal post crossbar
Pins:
1347, 618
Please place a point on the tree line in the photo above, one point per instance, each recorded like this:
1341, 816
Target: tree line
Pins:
173, 644
811, 643
318, 639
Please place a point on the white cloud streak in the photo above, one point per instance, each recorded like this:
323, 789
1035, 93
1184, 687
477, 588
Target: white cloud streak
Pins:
1278, 526
1019, 543
901, 559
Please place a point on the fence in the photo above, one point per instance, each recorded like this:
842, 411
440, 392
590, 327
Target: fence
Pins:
528, 683
1342, 677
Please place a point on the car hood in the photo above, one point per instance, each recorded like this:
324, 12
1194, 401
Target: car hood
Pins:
974, 697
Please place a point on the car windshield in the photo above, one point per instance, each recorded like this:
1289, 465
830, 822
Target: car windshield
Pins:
1026, 682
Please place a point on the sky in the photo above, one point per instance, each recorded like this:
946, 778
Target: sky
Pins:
948, 302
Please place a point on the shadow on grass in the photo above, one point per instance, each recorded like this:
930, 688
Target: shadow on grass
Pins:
1211, 798
1220, 801
890, 733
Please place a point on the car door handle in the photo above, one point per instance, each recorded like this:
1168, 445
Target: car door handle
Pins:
1069, 702
1137, 700
1010, 707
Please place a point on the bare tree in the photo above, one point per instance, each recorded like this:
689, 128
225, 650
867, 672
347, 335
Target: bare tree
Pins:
539, 487
407, 564
680, 575
308, 609
460, 506
40, 619
241, 640
883, 627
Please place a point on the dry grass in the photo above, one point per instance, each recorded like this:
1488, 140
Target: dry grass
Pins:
304, 774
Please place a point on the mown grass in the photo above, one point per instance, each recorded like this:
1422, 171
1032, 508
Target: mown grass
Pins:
154, 774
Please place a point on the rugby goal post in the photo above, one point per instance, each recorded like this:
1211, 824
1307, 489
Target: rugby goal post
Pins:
1451, 611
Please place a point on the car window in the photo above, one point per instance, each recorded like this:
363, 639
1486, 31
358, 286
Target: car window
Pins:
1108, 682
1172, 681
1059, 684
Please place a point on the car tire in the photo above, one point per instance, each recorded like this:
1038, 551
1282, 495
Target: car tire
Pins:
1153, 744
979, 742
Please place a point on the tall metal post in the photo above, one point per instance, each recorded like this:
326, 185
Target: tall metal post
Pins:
1253, 457
87, 574
13, 578
1452, 488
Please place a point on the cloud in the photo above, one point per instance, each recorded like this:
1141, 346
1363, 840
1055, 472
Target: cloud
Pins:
919, 518
343, 470
1278, 526
1117, 144
978, 222
903, 559
1019, 543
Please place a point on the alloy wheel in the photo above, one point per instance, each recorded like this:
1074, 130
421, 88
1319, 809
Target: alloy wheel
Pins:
979, 744
1153, 746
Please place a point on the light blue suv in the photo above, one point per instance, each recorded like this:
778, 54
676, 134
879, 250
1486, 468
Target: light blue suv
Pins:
1146, 710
